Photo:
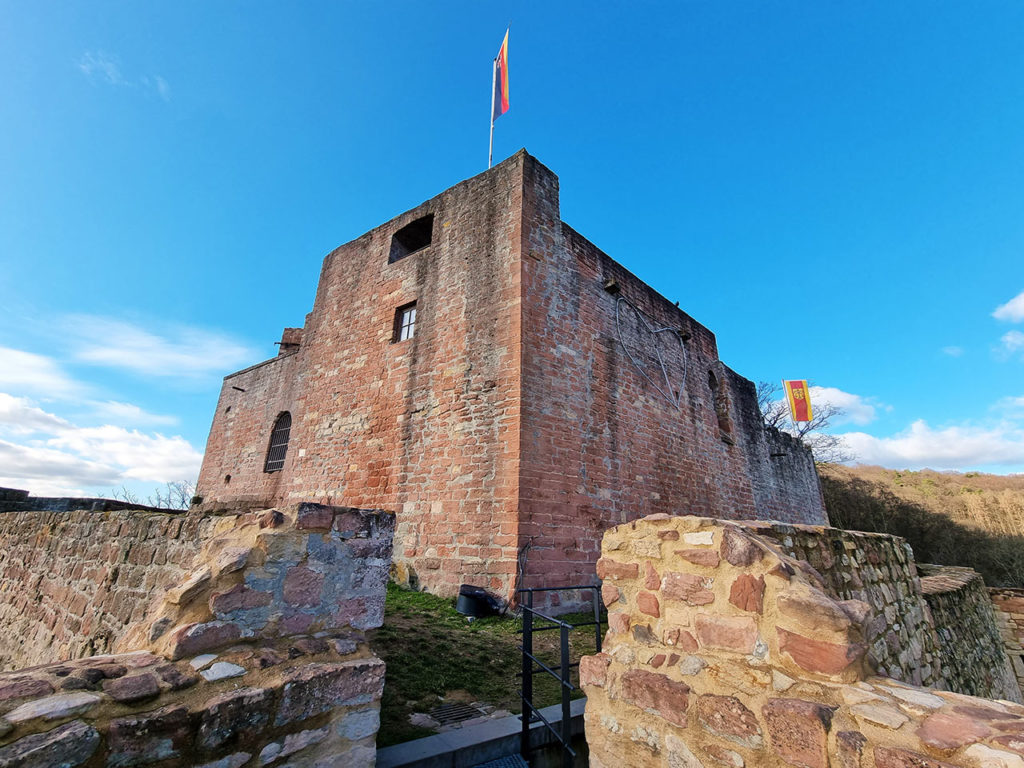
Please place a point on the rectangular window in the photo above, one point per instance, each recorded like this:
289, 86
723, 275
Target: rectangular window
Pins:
405, 322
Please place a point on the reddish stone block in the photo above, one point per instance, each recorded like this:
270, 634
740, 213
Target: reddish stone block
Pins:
239, 598
708, 558
949, 731
651, 578
23, 688
1013, 742
648, 603
656, 693
725, 716
902, 758
618, 622
594, 669
302, 586
737, 634
317, 688
738, 549
813, 609
687, 587
668, 535
747, 593
609, 593
194, 639
176, 677
128, 690
817, 655
798, 731
314, 517
612, 569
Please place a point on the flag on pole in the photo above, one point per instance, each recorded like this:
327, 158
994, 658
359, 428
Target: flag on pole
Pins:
501, 81
799, 398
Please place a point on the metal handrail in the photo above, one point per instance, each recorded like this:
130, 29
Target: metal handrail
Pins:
530, 711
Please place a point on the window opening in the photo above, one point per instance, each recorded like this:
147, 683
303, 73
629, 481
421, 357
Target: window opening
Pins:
278, 443
405, 322
413, 237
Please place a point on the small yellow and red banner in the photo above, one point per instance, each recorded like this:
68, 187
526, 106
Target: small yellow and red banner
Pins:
501, 81
799, 397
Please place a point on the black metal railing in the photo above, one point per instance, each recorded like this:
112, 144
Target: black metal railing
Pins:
531, 664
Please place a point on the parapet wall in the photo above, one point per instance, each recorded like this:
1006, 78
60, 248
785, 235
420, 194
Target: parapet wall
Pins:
255, 656
974, 659
1009, 610
722, 650
72, 582
878, 570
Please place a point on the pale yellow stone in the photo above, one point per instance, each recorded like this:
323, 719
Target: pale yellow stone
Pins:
700, 538
993, 758
880, 715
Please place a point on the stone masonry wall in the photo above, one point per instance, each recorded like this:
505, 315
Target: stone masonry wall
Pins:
72, 582
1009, 610
974, 660
879, 570
722, 650
256, 658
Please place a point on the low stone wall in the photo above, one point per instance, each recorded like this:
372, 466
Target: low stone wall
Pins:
722, 650
1009, 610
72, 582
880, 571
257, 657
973, 657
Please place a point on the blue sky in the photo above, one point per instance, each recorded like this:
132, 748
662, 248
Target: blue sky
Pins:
834, 189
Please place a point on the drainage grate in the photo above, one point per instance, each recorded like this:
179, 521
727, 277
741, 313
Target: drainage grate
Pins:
512, 761
457, 712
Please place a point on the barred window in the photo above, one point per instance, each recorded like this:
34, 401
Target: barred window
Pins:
405, 322
278, 443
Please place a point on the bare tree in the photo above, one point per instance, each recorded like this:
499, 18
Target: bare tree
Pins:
174, 495
827, 448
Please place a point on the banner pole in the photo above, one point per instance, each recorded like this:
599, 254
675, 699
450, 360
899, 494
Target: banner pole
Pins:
494, 83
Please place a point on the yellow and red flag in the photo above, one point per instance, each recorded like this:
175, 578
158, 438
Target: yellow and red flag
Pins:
799, 397
501, 81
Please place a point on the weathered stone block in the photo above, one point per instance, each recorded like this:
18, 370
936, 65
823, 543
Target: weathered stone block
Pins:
317, 688
656, 693
225, 717
148, 738
67, 745
798, 731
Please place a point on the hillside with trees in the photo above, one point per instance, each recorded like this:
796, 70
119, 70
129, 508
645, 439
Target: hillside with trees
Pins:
969, 519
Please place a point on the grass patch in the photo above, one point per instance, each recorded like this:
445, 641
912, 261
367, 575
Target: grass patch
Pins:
432, 651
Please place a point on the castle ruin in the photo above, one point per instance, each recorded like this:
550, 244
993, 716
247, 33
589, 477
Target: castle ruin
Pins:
510, 390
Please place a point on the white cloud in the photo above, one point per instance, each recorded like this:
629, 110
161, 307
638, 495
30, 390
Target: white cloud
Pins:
1012, 342
1013, 310
955, 447
103, 67
35, 374
855, 409
60, 458
151, 458
953, 351
19, 416
126, 413
185, 352
1012, 406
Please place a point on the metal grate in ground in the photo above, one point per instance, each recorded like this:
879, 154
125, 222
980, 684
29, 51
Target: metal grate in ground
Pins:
512, 761
456, 712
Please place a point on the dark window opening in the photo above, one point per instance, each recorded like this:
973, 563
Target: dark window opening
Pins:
278, 443
227, 479
411, 238
721, 403
405, 322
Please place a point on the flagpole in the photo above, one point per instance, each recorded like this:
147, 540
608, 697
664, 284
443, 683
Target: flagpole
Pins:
494, 83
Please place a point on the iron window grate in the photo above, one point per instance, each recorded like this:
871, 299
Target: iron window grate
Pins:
457, 712
278, 443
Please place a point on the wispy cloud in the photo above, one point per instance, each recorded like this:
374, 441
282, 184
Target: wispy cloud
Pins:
1010, 344
182, 352
28, 373
1012, 311
856, 409
953, 351
955, 447
125, 414
102, 67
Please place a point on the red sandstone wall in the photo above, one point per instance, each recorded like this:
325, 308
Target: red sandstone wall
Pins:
606, 437
426, 427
